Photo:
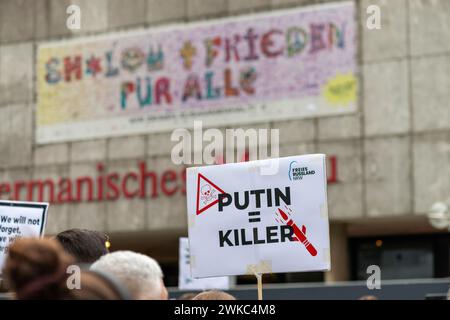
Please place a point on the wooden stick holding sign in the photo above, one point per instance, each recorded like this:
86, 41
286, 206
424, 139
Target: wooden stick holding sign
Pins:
259, 281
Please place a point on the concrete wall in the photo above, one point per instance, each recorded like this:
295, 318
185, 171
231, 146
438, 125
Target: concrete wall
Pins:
393, 154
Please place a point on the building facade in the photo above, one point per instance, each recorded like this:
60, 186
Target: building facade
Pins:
389, 161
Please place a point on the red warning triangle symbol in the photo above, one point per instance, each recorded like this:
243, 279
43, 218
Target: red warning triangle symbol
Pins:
207, 193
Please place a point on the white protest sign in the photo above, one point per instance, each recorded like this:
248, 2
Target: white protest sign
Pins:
244, 222
185, 280
20, 219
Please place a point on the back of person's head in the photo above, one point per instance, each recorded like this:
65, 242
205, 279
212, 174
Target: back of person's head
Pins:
368, 297
140, 274
187, 296
214, 295
38, 269
86, 246
98, 286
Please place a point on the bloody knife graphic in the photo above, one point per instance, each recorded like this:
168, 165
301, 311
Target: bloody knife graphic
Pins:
298, 233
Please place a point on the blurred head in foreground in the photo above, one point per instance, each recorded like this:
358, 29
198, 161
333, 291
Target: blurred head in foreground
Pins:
214, 295
38, 269
188, 296
368, 297
86, 246
140, 274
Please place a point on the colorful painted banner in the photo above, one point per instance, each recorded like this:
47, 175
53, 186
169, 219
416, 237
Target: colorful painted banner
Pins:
282, 65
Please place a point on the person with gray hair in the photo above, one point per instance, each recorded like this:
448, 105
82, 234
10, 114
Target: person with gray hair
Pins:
140, 274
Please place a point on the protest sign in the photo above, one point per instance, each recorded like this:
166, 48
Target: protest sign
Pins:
185, 280
244, 222
20, 219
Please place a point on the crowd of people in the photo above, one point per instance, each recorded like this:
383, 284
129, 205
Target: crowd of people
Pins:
76, 265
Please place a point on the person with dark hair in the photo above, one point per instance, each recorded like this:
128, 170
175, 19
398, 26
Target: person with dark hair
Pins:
38, 269
86, 246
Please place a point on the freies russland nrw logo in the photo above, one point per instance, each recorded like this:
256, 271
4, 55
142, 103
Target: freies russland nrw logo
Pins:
296, 172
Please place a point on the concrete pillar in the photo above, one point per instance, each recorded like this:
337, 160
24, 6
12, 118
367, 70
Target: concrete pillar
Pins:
340, 264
